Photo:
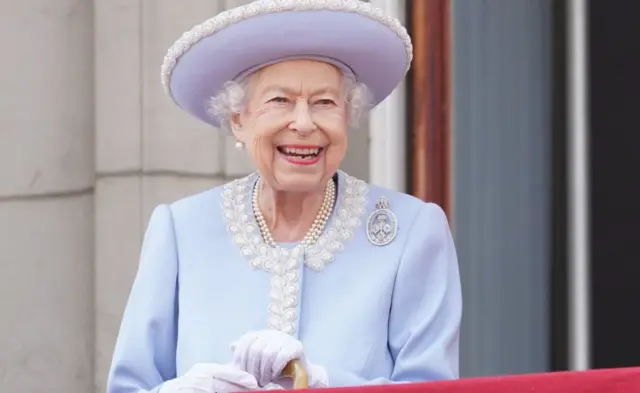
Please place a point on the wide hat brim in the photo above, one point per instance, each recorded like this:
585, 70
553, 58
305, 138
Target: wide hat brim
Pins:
352, 34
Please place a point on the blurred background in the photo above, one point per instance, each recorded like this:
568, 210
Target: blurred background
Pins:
519, 117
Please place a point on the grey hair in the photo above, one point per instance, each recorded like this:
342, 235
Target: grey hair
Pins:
231, 99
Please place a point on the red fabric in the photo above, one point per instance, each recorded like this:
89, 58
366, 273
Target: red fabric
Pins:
623, 380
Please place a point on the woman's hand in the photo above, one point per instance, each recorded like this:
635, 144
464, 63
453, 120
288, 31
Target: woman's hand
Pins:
211, 378
264, 354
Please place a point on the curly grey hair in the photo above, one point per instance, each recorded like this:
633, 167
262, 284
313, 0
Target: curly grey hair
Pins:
231, 99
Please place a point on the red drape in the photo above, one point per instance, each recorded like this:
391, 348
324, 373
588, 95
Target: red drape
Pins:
623, 380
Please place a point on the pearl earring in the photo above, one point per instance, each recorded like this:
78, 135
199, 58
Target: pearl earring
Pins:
239, 146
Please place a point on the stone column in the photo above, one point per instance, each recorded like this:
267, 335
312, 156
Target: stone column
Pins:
46, 196
148, 151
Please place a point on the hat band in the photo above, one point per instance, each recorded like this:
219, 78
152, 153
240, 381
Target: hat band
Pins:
336, 63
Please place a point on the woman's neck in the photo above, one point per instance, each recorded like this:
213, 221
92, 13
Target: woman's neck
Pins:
289, 215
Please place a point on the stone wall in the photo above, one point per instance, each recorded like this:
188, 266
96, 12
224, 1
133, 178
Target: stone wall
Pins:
46, 196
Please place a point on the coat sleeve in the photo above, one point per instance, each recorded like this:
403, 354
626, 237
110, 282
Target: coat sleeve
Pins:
145, 351
426, 308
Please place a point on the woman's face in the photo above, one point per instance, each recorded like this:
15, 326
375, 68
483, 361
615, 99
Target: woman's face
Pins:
295, 124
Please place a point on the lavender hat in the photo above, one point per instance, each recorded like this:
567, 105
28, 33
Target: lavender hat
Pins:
351, 34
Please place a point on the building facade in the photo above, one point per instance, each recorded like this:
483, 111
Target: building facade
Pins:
90, 144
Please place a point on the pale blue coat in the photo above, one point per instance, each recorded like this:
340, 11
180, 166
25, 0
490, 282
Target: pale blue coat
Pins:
369, 314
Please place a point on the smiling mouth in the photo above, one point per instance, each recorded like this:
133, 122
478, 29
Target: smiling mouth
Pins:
303, 153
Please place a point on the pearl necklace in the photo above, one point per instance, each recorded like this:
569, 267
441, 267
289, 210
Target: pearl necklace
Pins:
313, 234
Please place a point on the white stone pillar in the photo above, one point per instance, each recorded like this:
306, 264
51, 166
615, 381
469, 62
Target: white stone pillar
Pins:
148, 151
387, 125
46, 196
578, 199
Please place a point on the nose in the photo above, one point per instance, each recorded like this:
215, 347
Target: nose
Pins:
302, 122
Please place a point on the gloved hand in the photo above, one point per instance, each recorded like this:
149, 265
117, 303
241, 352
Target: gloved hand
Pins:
211, 378
264, 354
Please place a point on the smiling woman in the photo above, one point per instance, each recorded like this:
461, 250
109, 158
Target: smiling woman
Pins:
276, 111
299, 260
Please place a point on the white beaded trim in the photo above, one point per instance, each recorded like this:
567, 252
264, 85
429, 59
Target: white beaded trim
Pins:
284, 263
261, 7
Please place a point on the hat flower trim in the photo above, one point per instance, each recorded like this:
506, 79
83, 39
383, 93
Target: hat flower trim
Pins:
263, 7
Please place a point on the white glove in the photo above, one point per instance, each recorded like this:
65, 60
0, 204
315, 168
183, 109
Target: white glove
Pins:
264, 354
211, 378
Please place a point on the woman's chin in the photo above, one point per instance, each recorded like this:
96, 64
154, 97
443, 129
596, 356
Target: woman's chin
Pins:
299, 182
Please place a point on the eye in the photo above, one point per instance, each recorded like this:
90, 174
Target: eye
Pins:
279, 100
325, 101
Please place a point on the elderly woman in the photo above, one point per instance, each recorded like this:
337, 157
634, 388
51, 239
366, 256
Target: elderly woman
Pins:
299, 260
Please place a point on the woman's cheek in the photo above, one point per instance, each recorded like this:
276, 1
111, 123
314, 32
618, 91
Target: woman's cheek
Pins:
332, 121
336, 133
338, 146
261, 150
270, 122
334, 157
